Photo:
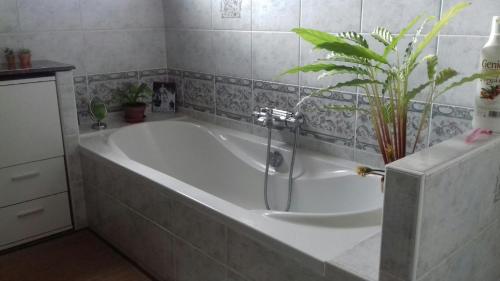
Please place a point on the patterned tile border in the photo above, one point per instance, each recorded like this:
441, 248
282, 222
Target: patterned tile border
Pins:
198, 91
327, 124
104, 85
268, 94
234, 98
448, 121
220, 95
81, 93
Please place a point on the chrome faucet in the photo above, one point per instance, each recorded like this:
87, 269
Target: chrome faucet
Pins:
278, 119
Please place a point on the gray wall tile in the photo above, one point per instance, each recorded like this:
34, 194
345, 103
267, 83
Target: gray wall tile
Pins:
192, 265
394, 14
270, 59
47, 45
122, 14
233, 54
275, 15
399, 233
149, 49
478, 17
454, 201
109, 51
48, 15
331, 16
256, 262
188, 13
9, 16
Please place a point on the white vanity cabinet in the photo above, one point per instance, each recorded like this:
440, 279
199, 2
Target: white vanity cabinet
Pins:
33, 186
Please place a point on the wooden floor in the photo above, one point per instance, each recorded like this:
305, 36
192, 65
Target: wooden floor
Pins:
79, 256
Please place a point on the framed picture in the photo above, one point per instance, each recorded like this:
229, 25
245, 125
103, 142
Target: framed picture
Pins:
163, 97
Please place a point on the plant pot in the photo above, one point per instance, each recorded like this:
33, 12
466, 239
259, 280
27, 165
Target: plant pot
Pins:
11, 61
134, 113
25, 60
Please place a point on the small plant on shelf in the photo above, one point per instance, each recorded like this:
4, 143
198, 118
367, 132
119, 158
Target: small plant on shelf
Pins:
133, 99
384, 77
10, 58
24, 58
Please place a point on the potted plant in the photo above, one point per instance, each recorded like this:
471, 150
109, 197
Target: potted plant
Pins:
132, 98
25, 58
10, 58
384, 77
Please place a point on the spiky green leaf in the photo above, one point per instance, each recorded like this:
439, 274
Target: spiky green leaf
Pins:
475, 76
354, 37
382, 35
432, 61
316, 37
401, 35
415, 91
436, 29
353, 83
445, 75
414, 40
353, 51
341, 69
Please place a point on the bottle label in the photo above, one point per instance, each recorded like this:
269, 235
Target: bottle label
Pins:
490, 88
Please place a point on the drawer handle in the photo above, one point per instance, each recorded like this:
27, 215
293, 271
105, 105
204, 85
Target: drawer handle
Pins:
25, 176
30, 212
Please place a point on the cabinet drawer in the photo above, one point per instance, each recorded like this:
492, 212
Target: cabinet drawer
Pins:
30, 181
34, 218
29, 122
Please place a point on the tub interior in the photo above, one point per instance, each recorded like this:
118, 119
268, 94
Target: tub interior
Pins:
230, 165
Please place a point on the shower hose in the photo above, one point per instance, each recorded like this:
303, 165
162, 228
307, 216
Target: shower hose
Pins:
290, 173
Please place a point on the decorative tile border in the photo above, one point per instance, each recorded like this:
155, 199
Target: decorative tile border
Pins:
198, 91
274, 95
176, 77
81, 93
104, 85
234, 98
327, 124
153, 75
449, 121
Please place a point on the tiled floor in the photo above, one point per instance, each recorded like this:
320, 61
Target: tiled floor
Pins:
80, 256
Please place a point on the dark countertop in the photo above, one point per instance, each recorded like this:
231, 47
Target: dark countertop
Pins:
38, 68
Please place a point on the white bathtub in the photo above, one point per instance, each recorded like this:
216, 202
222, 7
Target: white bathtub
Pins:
332, 208
230, 165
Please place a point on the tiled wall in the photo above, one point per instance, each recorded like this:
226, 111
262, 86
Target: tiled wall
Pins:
109, 42
244, 45
444, 214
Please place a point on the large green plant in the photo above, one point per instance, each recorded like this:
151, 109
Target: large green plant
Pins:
384, 77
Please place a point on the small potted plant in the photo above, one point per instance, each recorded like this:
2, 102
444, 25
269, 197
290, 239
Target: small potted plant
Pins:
132, 98
10, 58
25, 58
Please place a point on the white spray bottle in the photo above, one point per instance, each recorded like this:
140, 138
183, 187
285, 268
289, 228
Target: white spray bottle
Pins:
487, 111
